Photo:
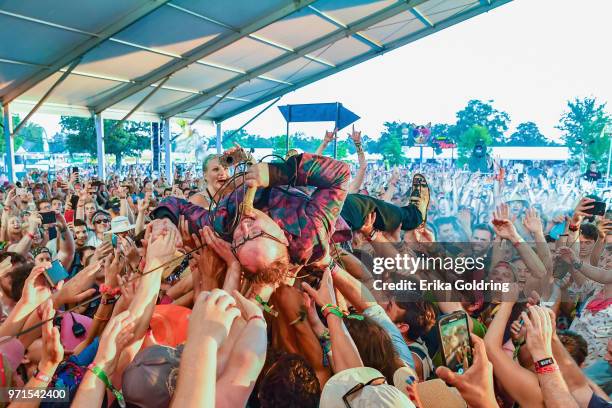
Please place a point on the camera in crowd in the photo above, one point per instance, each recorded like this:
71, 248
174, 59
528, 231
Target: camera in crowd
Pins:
235, 157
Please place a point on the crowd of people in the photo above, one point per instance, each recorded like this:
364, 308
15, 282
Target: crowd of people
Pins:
144, 292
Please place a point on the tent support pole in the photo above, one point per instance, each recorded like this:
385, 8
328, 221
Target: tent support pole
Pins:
168, 148
9, 158
219, 146
99, 125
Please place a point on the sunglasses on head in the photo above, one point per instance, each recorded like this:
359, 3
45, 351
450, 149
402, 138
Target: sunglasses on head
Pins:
359, 387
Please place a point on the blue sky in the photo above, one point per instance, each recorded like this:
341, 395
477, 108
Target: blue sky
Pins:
528, 56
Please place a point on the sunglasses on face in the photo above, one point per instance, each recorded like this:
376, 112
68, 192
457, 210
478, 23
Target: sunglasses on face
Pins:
251, 236
104, 221
359, 387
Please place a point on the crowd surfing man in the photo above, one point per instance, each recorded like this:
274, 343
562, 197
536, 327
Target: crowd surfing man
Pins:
286, 227
268, 310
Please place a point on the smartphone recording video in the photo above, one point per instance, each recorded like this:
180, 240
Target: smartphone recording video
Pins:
599, 208
48, 217
455, 341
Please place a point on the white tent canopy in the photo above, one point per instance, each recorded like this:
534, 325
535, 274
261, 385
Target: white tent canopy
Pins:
257, 49
196, 59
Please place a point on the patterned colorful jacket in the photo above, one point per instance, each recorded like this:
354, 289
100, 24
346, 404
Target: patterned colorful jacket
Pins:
308, 221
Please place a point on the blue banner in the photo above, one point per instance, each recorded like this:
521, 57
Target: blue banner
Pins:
319, 112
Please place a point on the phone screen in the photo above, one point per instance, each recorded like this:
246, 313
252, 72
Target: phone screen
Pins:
48, 217
56, 273
74, 201
599, 208
455, 341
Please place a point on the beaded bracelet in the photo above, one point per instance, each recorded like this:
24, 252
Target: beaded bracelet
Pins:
109, 291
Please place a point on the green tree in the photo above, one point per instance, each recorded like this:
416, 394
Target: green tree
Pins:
126, 140
280, 145
479, 113
528, 134
57, 144
582, 126
30, 132
468, 140
390, 145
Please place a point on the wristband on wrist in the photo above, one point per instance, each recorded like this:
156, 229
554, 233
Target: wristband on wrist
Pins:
547, 369
543, 363
32, 236
40, 376
98, 372
105, 289
372, 235
333, 309
106, 300
267, 307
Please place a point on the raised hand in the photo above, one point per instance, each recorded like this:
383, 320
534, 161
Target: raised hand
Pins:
476, 384
117, 335
246, 306
258, 175
355, 136
580, 212
129, 251
52, 350
604, 227
505, 229
103, 251
567, 254
186, 236
502, 212
113, 265
143, 204
532, 221
325, 294
5, 266
329, 136
368, 224
539, 329
80, 287
221, 247
162, 248
212, 316
36, 289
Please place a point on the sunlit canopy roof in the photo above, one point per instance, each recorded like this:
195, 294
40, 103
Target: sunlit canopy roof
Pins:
191, 53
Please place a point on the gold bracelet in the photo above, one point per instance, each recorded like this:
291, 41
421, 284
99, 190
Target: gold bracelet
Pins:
101, 319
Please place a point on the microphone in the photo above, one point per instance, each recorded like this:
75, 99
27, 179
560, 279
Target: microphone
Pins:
247, 202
